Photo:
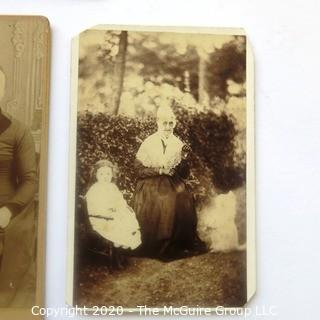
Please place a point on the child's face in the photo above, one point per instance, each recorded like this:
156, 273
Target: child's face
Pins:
104, 174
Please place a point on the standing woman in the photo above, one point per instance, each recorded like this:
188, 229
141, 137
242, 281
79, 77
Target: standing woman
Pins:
164, 206
18, 184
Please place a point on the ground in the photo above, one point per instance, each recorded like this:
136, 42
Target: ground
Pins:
207, 280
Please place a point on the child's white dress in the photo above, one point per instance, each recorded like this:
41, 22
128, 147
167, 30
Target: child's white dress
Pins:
111, 217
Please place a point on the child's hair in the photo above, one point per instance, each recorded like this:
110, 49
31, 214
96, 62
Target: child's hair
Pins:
103, 163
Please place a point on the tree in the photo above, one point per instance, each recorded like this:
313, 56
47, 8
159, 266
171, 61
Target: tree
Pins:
162, 62
119, 70
226, 63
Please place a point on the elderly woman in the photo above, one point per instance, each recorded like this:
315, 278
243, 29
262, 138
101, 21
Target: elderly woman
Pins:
17, 215
164, 206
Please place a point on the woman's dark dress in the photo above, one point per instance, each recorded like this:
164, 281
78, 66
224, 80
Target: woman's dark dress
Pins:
18, 185
165, 210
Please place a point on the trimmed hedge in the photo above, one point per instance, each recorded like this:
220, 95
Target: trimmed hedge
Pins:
213, 161
117, 138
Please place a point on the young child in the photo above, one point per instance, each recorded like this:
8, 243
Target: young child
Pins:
109, 214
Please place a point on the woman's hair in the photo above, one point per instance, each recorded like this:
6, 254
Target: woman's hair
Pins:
165, 110
100, 164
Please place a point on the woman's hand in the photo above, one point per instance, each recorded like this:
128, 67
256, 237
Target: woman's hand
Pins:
186, 150
5, 217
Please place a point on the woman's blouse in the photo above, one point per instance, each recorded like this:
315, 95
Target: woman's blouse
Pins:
156, 152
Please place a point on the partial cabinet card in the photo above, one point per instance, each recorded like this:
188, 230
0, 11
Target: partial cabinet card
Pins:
161, 170
24, 97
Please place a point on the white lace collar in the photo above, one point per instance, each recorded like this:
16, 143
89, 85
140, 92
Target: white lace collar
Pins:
158, 152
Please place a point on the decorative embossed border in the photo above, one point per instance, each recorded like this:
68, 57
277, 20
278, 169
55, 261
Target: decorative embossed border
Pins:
38, 84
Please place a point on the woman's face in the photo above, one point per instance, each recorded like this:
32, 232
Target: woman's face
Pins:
166, 126
104, 174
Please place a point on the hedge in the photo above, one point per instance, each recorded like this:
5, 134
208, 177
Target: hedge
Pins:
214, 164
117, 138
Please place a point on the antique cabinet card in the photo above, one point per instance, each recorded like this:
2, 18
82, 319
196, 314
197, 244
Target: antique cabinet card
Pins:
161, 170
24, 97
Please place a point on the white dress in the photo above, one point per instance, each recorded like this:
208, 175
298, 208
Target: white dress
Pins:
111, 217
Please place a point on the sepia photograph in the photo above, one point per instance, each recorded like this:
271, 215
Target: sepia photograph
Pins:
158, 168
24, 83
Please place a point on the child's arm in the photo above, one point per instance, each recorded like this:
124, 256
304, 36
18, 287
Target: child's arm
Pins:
118, 202
95, 206
91, 203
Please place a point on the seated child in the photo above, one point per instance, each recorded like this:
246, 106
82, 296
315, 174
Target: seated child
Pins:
109, 214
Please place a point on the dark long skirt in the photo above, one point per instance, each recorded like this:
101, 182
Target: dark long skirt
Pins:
166, 213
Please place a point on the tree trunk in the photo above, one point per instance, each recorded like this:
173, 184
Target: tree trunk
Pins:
202, 89
119, 70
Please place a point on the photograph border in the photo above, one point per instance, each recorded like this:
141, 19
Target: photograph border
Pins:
250, 143
25, 313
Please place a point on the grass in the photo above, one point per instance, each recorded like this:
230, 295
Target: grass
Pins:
207, 280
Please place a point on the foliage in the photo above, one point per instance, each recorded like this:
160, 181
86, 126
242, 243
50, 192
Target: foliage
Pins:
118, 138
226, 63
163, 63
204, 77
156, 61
